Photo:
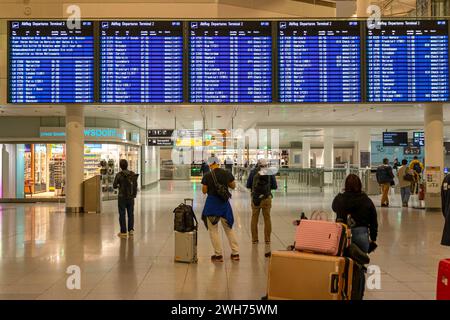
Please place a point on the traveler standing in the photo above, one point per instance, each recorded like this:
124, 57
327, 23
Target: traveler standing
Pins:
359, 207
126, 181
218, 208
405, 177
445, 198
261, 183
385, 178
418, 167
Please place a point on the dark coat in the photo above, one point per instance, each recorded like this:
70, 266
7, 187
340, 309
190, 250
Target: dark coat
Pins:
445, 198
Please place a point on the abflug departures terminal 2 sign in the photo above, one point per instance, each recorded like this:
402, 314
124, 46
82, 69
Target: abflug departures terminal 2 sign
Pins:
218, 62
51, 63
230, 61
141, 62
407, 61
319, 61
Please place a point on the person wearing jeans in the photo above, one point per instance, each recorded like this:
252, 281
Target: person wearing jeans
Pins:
405, 185
126, 182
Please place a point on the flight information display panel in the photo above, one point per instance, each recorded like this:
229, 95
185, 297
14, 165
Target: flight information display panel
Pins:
230, 62
51, 62
407, 61
141, 62
319, 61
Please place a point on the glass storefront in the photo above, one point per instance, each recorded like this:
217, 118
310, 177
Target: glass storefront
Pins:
44, 167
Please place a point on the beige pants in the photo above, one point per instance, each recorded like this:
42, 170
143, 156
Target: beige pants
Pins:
265, 206
385, 188
215, 237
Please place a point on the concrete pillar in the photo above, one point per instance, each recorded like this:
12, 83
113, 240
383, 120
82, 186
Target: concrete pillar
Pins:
364, 147
306, 154
74, 158
434, 154
328, 150
361, 8
345, 8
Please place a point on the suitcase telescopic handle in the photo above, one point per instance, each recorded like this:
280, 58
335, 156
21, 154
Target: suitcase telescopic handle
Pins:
186, 200
334, 283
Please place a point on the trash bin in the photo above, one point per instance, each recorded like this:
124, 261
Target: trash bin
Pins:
93, 195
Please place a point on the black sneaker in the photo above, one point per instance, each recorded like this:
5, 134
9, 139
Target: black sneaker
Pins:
235, 257
216, 258
268, 254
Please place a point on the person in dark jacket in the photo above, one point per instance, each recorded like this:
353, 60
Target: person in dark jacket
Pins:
126, 182
362, 211
356, 209
445, 198
261, 200
385, 178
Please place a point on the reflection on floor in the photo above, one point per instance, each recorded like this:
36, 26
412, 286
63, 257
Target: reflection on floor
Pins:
39, 242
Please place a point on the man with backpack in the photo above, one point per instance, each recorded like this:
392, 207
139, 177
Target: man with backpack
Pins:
126, 181
261, 184
385, 178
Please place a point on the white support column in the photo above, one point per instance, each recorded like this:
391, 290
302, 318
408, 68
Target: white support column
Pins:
74, 158
434, 154
306, 154
328, 150
364, 146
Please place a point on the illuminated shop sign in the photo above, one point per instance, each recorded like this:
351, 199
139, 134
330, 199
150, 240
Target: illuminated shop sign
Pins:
89, 133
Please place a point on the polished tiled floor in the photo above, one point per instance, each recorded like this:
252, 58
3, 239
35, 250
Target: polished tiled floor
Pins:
39, 242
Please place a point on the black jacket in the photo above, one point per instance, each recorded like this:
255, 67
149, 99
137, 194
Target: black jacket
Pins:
360, 207
445, 198
384, 174
121, 184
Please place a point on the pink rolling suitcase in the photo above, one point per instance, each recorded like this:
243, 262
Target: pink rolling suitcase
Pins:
322, 237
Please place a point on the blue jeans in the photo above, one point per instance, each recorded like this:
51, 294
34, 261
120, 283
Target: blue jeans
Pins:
405, 193
126, 206
360, 237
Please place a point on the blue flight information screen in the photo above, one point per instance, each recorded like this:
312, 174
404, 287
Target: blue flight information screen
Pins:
51, 62
141, 62
230, 62
407, 61
319, 61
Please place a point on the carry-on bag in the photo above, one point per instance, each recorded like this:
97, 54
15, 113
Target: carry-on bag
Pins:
443, 280
323, 237
184, 219
296, 275
186, 241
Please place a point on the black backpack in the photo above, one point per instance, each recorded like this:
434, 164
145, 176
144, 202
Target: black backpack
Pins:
260, 188
130, 184
184, 218
222, 190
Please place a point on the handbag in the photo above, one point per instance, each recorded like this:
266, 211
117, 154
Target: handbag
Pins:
222, 191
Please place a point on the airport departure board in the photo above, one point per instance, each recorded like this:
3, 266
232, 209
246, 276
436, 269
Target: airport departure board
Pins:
51, 62
407, 61
141, 62
230, 62
319, 61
